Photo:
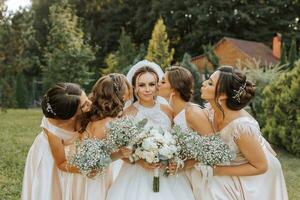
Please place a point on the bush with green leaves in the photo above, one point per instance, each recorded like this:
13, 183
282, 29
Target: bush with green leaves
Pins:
261, 77
281, 110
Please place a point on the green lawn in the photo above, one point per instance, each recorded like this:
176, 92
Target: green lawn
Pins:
18, 129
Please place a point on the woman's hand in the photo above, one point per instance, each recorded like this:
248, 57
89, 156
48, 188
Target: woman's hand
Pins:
149, 166
125, 152
172, 168
189, 164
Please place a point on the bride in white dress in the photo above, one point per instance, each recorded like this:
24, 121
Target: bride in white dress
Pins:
134, 181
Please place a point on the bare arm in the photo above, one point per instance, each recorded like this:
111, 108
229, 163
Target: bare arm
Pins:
167, 110
198, 121
58, 152
253, 152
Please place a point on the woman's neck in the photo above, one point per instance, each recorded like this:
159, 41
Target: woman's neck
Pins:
177, 104
68, 124
147, 104
221, 119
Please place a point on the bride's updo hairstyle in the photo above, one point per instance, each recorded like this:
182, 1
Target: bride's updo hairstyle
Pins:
136, 76
239, 91
61, 101
107, 98
182, 81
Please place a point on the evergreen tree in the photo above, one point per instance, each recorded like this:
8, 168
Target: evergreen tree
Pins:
16, 40
111, 62
186, 63
67, 56
158, 49
21, 91
206, 71
124, 56
140, 56
292, 53
211, 56
283, 58
281, 110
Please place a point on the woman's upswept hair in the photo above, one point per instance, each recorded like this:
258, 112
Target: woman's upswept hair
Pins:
107, 98
239, 91
182, 81
61, 101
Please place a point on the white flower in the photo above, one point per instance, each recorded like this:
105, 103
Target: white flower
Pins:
169, 138
149, 156
149, 143
166, 152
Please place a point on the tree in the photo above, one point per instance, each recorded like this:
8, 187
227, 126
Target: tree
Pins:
124, 56
158, 48
292, 53
283, 58
21, 91
211, 56
281, 110
67, 56
16, 41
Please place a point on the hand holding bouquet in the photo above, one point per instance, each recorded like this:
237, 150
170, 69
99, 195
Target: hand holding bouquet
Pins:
208, 150
155, 146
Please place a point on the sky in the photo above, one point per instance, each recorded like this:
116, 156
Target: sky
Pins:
13, 5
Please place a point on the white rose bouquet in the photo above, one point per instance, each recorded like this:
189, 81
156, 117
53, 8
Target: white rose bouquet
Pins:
155, 146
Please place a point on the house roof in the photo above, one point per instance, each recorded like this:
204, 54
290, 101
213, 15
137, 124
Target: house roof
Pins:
256, 50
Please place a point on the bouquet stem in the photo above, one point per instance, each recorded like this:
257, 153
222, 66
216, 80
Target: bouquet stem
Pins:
156, 180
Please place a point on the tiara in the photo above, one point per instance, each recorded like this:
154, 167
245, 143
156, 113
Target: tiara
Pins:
238, 93
49, 107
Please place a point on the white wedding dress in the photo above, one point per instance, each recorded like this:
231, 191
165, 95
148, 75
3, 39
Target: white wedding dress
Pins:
135, 183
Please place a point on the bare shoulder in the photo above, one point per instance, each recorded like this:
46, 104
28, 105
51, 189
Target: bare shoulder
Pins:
195, 111
167, 110
197, 119
130, 111
98, 128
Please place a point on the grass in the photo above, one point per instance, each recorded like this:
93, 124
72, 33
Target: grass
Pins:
18, 128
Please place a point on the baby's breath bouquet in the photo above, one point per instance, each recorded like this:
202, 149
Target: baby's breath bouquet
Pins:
92, 156
211, 150
155, 146
123, 131
207, 150
186, 142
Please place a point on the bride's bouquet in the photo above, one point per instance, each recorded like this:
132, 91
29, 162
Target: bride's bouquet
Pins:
155, 146
122, 132
208, 150
91, 157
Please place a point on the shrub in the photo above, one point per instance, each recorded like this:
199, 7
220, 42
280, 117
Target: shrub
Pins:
281, 110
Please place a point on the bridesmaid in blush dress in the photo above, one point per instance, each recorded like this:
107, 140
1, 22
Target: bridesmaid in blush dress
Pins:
61, 105
255, 173
177, 87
